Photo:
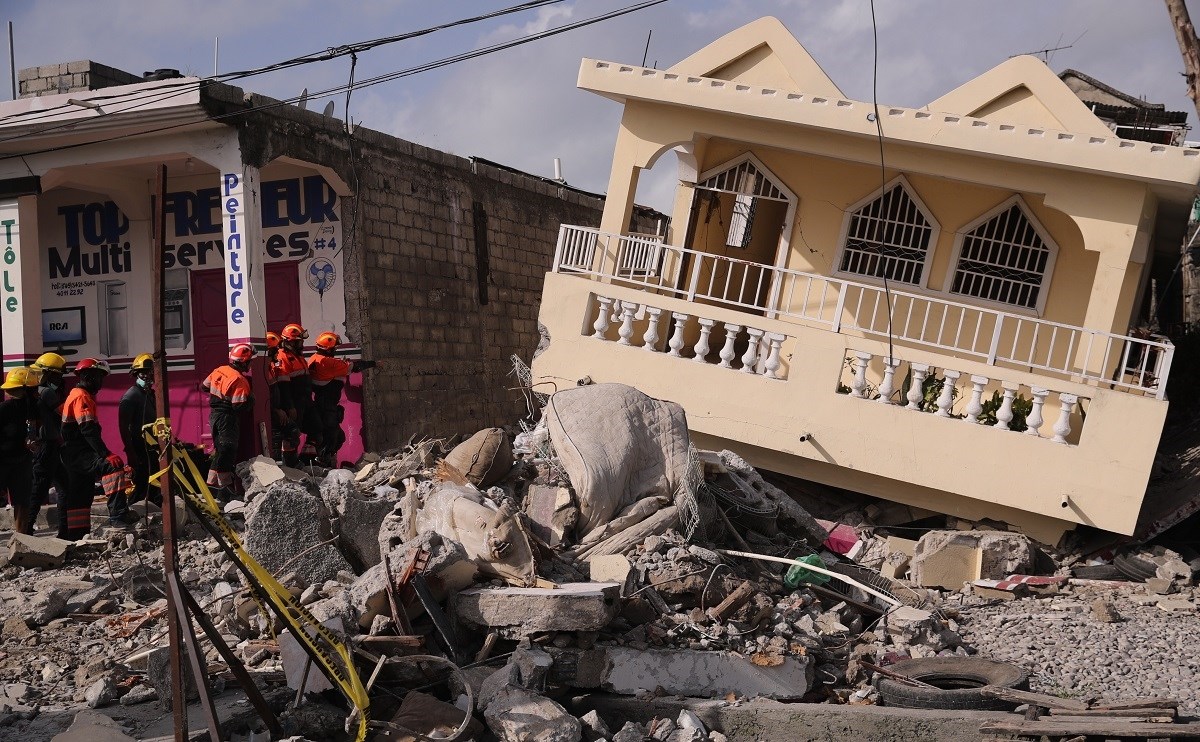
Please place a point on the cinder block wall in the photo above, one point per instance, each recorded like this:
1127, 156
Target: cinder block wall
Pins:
70, 77
414, 268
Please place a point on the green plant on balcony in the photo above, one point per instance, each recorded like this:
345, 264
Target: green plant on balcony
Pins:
1021, 407
931, 389
870, 392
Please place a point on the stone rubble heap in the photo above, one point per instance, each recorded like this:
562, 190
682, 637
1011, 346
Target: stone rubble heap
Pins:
533, 607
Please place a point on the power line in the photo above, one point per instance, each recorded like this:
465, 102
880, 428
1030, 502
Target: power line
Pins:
339, 89
322, 56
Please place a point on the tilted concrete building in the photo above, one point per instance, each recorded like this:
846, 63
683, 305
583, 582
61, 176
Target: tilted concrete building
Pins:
947, 327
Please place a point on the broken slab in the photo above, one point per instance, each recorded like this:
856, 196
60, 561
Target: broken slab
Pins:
948, 559
612, 568
358, 528
258, 474
93, 726
703, 674
295, 660
552, 513
516, 612
908, 626
45, 552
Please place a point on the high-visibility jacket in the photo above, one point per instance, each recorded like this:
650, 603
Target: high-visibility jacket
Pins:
227, 388
323, 369
79, 424
292, 368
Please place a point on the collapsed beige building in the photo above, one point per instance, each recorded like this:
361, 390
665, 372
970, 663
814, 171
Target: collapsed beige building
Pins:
932, 306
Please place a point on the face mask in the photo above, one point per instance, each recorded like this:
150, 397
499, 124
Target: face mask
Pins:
143, 383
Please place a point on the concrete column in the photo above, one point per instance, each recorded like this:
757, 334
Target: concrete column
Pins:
21, 284
246, 300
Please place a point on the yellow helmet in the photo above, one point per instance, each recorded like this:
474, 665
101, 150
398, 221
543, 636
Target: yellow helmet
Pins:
144, 362
51, 362
17, 378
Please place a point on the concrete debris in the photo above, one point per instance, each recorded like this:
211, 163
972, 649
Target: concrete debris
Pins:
37, 551
552, 513
92, 726
792, 518
101, 693
519, 612
948, 559
907, 626
288, 529
704, 674
518, 715
424, 714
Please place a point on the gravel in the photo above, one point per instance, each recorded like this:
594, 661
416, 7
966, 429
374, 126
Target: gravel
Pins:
1070, 652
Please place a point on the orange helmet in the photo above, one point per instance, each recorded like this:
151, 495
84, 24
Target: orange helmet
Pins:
294, 332
328, 340
241, 353
272, 341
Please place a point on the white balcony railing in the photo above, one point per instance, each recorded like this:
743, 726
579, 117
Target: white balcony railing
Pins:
992, 336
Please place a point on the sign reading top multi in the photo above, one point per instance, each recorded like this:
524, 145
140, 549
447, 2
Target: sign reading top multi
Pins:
95, 260
96, 234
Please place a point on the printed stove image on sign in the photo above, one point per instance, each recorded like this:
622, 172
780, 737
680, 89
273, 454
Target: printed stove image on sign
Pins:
64, 326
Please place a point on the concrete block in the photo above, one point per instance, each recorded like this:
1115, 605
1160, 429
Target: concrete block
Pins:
359, 528
515, 612
908, 626
287, 524
704, 674
294, 658
950, 558
258, 474
612, 568
519, 715
37, 551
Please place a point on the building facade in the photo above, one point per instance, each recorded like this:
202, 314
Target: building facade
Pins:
931, 305
427, 262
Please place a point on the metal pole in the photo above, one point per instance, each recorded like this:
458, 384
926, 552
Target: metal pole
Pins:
170, 563
216, 54
12, 60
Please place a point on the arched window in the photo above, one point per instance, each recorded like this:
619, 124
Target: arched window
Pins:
1005, 256
889, 234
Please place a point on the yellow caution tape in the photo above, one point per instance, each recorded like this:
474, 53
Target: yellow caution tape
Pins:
329, 653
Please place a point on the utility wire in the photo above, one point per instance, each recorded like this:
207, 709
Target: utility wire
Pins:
337, 90
158, 95
887, 292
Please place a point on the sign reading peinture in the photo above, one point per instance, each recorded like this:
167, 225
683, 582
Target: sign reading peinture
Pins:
232, 213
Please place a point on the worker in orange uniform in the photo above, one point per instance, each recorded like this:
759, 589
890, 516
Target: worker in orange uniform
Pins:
18, 429
84, 455
294, 369
229, 396
285, 431
329, 375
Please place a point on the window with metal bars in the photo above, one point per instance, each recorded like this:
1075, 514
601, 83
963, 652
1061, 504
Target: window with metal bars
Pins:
1004, 259
889, 236
741, 222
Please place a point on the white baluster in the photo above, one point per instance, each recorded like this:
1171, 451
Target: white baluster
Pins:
975, 406
916, 385
727, 352
1034, 420
771, 365
1004, 415
676, 342
1062, 428
650, 339
889, 380
601, 324
626, 330
750, 357
702, 348
858, 387
946, 398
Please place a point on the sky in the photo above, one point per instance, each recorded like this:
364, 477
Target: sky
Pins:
520, 106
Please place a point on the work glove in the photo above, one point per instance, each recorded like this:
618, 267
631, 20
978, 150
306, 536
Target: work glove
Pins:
115, 461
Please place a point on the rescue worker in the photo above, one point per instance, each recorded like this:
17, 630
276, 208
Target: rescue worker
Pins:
18, 429
137, 409
84, 455
293, 367
329, 375
47, 461
285, 431
229, 396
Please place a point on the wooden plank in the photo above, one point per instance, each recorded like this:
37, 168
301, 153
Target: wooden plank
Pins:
1119, 717
1117, 713
1138, 703
1097, 728
1035, 699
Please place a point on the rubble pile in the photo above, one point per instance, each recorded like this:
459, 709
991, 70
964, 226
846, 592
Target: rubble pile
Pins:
589, 553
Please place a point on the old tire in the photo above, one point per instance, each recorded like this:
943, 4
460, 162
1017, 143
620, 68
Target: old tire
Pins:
959, 681
1135, 567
